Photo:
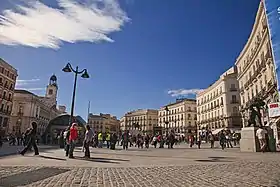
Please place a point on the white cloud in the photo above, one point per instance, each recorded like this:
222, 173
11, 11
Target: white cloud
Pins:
36, 25
26, 82
184, 92
32, 89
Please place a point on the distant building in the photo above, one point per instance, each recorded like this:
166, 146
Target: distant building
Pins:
62, 109
143, 120
104, 123
29, 107
8, 76
179, 116
217, 105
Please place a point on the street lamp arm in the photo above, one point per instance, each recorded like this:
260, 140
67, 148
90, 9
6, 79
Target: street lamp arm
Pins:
80, 72
70, 66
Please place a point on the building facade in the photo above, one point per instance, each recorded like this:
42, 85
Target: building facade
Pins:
104, 123
8, 76
256, 71
218, 105
143, 120
29, 107
179, 116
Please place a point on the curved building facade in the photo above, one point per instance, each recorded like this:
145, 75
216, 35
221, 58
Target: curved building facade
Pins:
256, 71
218, 105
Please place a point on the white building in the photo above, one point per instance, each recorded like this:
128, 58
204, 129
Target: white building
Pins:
143, 119
179, 116
218, 105
29, 107
256, 71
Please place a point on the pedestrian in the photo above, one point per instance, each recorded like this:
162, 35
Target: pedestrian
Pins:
66, 135
108, 140
228, 139
222, 138
125, 139
154, 142
72, 139
113, 140
87, 141
261, 134
211, 139
198, 141
100, 140
31, 140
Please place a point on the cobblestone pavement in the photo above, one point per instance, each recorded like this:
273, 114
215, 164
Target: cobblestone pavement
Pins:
155, 167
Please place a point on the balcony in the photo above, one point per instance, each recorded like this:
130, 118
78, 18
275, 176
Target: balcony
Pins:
234, 102
5, 112
233, 89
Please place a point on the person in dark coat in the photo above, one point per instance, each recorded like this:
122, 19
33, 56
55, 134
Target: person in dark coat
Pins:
32, 140
114, 140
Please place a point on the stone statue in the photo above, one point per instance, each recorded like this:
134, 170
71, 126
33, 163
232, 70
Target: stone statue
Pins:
255, 115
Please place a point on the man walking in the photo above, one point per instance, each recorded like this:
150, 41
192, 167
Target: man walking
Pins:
87, 141
261, 133
32, 140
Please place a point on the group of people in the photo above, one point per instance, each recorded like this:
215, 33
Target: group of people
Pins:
71, 135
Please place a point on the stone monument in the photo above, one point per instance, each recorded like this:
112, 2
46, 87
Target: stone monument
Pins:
249, 142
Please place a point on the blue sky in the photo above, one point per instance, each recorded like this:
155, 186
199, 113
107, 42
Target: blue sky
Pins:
135, 50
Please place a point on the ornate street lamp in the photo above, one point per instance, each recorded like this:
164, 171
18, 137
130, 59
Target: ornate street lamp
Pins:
68, 68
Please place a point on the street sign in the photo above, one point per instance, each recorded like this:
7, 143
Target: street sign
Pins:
274, 110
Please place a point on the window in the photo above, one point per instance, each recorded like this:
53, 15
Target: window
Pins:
256, 88
222, 102
235, 110
265, 79
50, 92
233, 99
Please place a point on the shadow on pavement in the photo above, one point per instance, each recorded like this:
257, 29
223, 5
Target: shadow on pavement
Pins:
52, 158
30, 177
103, 160
216, 159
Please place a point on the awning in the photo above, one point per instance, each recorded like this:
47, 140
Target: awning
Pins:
216, 131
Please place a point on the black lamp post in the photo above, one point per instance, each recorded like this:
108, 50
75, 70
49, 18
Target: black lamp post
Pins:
68, 68
166, 121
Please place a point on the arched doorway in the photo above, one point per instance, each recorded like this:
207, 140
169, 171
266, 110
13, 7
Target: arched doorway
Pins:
57, 126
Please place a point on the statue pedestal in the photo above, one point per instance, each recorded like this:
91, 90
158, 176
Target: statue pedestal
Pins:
249, 142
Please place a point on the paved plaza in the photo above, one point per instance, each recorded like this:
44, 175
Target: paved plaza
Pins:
181, 166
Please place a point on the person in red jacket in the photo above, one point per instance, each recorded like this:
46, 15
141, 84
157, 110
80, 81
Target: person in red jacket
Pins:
72, 139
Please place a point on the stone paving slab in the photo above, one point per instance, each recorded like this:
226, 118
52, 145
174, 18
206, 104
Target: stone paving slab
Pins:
249, 174
181, 166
